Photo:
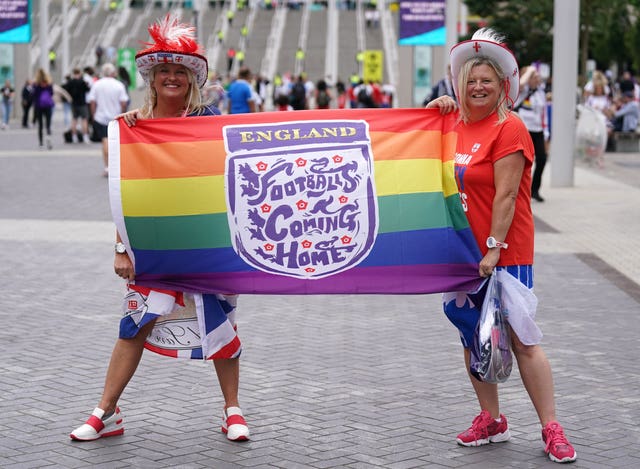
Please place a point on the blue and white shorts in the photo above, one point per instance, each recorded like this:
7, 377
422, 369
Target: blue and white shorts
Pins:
463, 308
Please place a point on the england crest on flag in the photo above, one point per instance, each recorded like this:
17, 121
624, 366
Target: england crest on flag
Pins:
301, 197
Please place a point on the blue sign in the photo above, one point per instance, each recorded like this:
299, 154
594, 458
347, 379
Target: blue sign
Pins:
422, 23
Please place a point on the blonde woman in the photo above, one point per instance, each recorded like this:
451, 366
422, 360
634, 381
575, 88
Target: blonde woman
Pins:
173, 90
494, 155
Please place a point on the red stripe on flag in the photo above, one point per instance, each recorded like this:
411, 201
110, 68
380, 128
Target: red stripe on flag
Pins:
210, 127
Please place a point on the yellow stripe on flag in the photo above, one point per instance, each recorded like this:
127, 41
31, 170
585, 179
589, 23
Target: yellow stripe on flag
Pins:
172, 197
408, 176
450, 186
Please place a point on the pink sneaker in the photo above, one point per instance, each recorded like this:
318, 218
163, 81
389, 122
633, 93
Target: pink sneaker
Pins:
234, 425
97, 427
485, 430
556, 444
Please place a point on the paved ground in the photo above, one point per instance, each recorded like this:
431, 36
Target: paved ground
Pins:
327, 381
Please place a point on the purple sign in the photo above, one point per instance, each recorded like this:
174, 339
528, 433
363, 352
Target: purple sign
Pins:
422, 22
15, 21
301, 196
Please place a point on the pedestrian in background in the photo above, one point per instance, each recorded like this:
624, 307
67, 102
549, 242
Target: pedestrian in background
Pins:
78, 88
27, 102
7, 102
43, 105
493, 172
107, 99
531, 106
240, 97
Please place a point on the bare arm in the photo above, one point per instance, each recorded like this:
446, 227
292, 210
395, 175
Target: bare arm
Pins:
507, 173
122, 263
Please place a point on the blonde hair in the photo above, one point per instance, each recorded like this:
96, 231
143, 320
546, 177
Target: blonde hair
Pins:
42, 78
599, 78
194, 102
502, 108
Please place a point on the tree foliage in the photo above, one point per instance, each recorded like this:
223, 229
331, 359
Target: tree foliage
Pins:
609, 30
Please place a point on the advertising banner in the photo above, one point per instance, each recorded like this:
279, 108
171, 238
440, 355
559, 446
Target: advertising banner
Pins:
422, 23
15, 21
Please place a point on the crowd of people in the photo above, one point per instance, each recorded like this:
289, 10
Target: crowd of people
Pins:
616, 100
40, 97
294, 93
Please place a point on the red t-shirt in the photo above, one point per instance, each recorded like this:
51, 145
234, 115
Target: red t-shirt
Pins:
480, 144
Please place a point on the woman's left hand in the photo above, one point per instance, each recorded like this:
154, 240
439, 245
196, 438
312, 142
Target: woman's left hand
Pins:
489, 262
130, 118
445, 103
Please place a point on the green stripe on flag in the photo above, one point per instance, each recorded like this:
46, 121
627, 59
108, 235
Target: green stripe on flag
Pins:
183, 232
406, 212
419, 211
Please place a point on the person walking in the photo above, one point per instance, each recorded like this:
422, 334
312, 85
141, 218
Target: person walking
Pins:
78, 89
43, 105
172, 90
27, 101
494, 155
107, 99
7, 92
532, 108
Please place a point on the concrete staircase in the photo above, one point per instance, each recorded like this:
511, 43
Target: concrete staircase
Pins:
331, 38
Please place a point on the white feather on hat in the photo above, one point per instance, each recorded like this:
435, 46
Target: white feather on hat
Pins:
486, 42
175, 43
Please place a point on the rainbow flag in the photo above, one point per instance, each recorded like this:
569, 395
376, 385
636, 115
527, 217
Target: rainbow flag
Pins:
305, 202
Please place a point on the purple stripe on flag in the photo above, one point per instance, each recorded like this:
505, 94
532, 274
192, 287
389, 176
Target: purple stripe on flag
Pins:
411, 279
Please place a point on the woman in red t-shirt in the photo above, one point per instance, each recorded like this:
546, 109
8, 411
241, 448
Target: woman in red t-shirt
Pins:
494, 154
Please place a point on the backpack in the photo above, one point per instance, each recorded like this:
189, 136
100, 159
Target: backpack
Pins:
298, 95
323, 99
45, 99
364, 98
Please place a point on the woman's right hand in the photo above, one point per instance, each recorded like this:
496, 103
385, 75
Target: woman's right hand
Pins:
130, 117
124, 267
445, 103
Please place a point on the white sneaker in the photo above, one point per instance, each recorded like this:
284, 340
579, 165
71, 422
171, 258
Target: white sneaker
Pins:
234, 425
97, 427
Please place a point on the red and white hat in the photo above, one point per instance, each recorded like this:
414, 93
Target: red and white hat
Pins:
486, 42
174, 43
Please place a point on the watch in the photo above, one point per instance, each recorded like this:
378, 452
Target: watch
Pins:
492, 243
121, 248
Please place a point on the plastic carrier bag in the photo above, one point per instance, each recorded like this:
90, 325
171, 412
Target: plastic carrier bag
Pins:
491, 359
591, 134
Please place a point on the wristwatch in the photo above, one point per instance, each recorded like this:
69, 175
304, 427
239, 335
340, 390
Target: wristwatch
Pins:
492, 243
121, 248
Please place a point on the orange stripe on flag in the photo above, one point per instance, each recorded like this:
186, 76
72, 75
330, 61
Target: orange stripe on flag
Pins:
158, 161
415, 144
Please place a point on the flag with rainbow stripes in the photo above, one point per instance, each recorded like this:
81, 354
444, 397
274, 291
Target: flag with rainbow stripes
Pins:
306, 202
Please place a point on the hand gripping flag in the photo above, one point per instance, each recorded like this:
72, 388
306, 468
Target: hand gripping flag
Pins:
307, 202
